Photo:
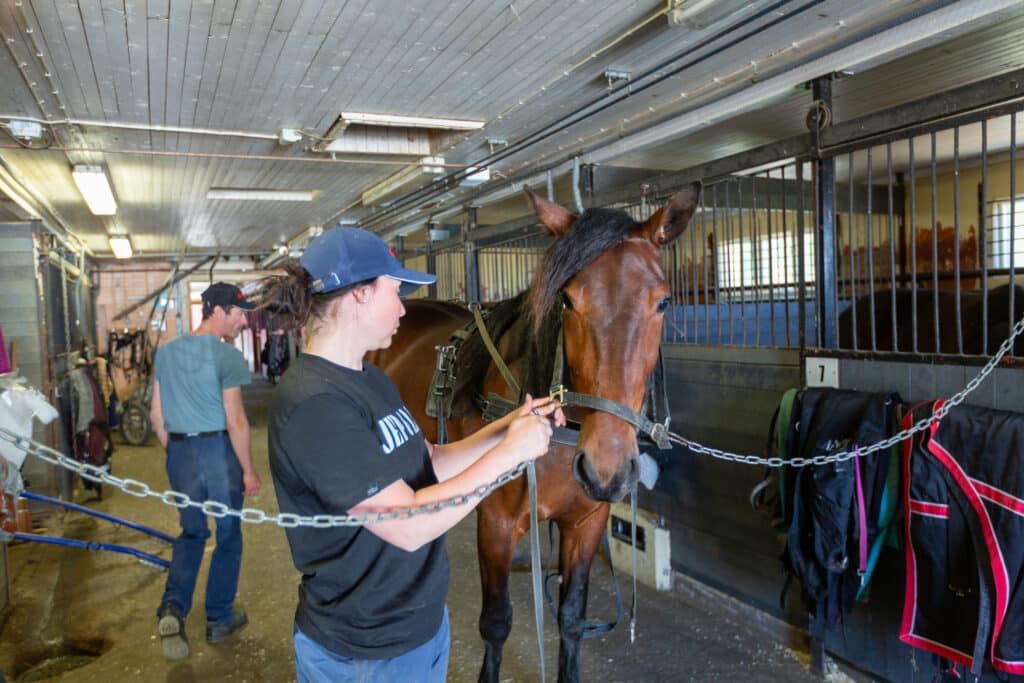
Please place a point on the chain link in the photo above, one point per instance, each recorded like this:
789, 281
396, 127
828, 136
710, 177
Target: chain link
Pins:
285, 520
288, 520
825, 459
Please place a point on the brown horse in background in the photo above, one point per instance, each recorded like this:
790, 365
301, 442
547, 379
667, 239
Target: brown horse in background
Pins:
984, 321
602, 283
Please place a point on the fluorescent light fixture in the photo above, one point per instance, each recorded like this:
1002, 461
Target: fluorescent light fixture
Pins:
699, 14
362, 119
260, 195
121, 245
404, 179
477, 176
95, 188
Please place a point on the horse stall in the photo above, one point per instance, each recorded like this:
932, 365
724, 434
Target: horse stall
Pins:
48, 309
877, 254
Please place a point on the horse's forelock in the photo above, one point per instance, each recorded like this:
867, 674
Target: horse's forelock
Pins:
591, 234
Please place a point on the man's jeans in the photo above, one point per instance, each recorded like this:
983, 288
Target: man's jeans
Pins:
205, 468
426, 664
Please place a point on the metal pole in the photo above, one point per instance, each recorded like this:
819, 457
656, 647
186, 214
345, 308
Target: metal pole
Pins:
431, 259
587, 184
400, 248
472, 262
826, 240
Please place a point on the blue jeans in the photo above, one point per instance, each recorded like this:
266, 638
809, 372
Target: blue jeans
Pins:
426, 664
205, 468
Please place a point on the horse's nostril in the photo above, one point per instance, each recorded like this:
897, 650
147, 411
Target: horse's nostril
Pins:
579, 467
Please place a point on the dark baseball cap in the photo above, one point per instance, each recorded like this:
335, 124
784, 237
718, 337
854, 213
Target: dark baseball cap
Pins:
342, 257
224, 294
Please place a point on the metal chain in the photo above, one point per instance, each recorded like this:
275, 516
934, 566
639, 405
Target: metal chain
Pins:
177, 499
921, 425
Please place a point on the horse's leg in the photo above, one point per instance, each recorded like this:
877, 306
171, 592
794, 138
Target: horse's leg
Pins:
580, 538
496, 535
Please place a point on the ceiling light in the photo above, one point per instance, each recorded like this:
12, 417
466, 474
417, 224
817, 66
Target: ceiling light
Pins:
260, 195
407, 177
362, 119
475, 176
121, 245
92, 183
699, 14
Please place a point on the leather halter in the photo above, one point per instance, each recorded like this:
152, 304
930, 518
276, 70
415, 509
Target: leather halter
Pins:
653, 427
656, 431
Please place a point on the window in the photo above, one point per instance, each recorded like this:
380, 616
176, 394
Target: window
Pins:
769, 262
1001, 219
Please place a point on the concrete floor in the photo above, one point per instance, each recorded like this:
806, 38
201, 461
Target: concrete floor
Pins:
89, 616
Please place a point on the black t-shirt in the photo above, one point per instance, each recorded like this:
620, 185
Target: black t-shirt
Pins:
337, 437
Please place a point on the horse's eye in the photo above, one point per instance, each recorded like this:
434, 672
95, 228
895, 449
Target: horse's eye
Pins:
567, 302
664, 304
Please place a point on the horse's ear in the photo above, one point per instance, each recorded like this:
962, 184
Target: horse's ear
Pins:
669, 221
555, 217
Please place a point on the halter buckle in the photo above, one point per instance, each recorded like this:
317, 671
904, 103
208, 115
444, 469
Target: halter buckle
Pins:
659, 435
558, 393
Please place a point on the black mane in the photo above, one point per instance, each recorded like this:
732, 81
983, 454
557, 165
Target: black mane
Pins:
532, 318
590, 234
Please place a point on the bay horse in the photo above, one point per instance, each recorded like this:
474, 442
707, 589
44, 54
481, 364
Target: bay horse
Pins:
601, 283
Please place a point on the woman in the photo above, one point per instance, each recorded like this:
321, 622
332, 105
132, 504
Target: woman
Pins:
372, 598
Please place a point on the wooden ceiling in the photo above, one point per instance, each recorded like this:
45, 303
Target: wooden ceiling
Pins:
177, 97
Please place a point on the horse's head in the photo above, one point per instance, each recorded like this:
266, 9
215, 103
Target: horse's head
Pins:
607, 270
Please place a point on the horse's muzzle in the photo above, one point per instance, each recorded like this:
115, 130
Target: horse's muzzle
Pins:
620, 484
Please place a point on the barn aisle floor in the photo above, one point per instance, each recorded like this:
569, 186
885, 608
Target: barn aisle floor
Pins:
81, 616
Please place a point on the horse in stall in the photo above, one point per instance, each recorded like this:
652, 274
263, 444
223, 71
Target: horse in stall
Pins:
922, 302
601, 285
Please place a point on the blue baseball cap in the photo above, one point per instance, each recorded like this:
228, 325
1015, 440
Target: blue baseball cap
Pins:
341, 257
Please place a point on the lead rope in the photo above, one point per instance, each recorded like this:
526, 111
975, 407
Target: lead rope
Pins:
535, 568
632, 534
531, 485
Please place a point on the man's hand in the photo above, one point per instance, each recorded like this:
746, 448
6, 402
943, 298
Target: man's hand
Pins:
251, 483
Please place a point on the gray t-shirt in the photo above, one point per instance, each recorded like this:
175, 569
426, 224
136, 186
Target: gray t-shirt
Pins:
192, 372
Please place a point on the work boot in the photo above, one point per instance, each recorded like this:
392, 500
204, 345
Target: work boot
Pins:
172, 632
217, 631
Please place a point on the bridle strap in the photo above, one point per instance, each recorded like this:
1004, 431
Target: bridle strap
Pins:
531, 485
657, 431
485, 336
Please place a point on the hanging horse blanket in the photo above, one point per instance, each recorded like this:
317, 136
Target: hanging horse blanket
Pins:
837, 508
964, 525
85, 418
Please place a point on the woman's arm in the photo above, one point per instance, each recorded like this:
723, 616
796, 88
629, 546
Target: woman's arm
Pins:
451, 459
525, 437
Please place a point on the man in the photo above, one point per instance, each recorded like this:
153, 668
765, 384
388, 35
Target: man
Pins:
198, 416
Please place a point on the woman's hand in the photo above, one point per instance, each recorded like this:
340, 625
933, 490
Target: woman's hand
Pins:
529, 434
544, 406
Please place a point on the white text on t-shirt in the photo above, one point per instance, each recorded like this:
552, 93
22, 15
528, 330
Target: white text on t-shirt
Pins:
396, 429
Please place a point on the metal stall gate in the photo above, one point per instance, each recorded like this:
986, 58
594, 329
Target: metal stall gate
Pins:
68, 324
